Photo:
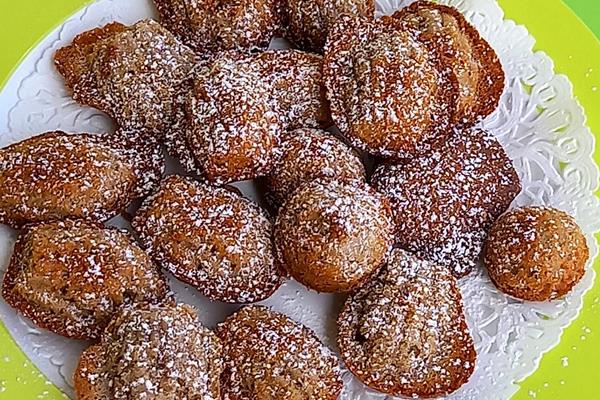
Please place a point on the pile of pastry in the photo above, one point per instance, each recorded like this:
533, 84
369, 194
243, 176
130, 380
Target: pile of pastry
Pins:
405, 91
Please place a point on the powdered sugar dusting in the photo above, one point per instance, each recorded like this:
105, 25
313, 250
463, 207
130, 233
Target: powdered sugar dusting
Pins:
71, 277
234, 132
536, 253
269, 356
309, 154
242, 103
404, 332
209, 26
135, 74
444, 204
465, 54
570, 188
388, 93
56, 175
211, 238
309, 21
152, 353
331, 236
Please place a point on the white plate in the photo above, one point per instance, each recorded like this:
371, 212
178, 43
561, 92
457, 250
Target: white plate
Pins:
538, 121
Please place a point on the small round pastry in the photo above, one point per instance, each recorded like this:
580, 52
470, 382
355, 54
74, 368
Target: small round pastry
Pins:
211, 238
404, 332
536, 253
57, 175
268, 356
331, 236
465, 53
71, 277
309, 154
151, 352
445, 204
209, 26
309, 21
389, 93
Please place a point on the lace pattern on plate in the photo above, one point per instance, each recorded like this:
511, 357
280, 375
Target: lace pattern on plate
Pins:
538, 121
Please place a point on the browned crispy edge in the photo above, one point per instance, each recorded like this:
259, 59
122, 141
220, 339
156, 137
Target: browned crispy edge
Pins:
400, 390
119, 141
446, 97
491, 85
73, 64
160, 258
89, 363
41, 318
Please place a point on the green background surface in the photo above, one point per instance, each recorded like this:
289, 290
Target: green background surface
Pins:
558, 32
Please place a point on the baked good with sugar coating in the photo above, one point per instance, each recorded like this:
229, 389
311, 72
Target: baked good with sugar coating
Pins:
269, 356
240, 106
309, 154
233, 132
389, 93
57, 175
536, 253
445, 204
71, 277
404, 333
152, 353
309, 22
208, 26
332, 236
137, 74
465, 53
211, 238
296, 85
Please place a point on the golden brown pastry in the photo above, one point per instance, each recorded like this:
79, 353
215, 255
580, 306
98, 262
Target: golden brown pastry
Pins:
233, 130
296, 87
71, 277
242, 103
309, 154
268, 356
464, 52
404, 332
210, 26
331, 236
57, 175
445, 204
136, 74
536, 253
211, 238
152, 353
309, 21
389, 94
